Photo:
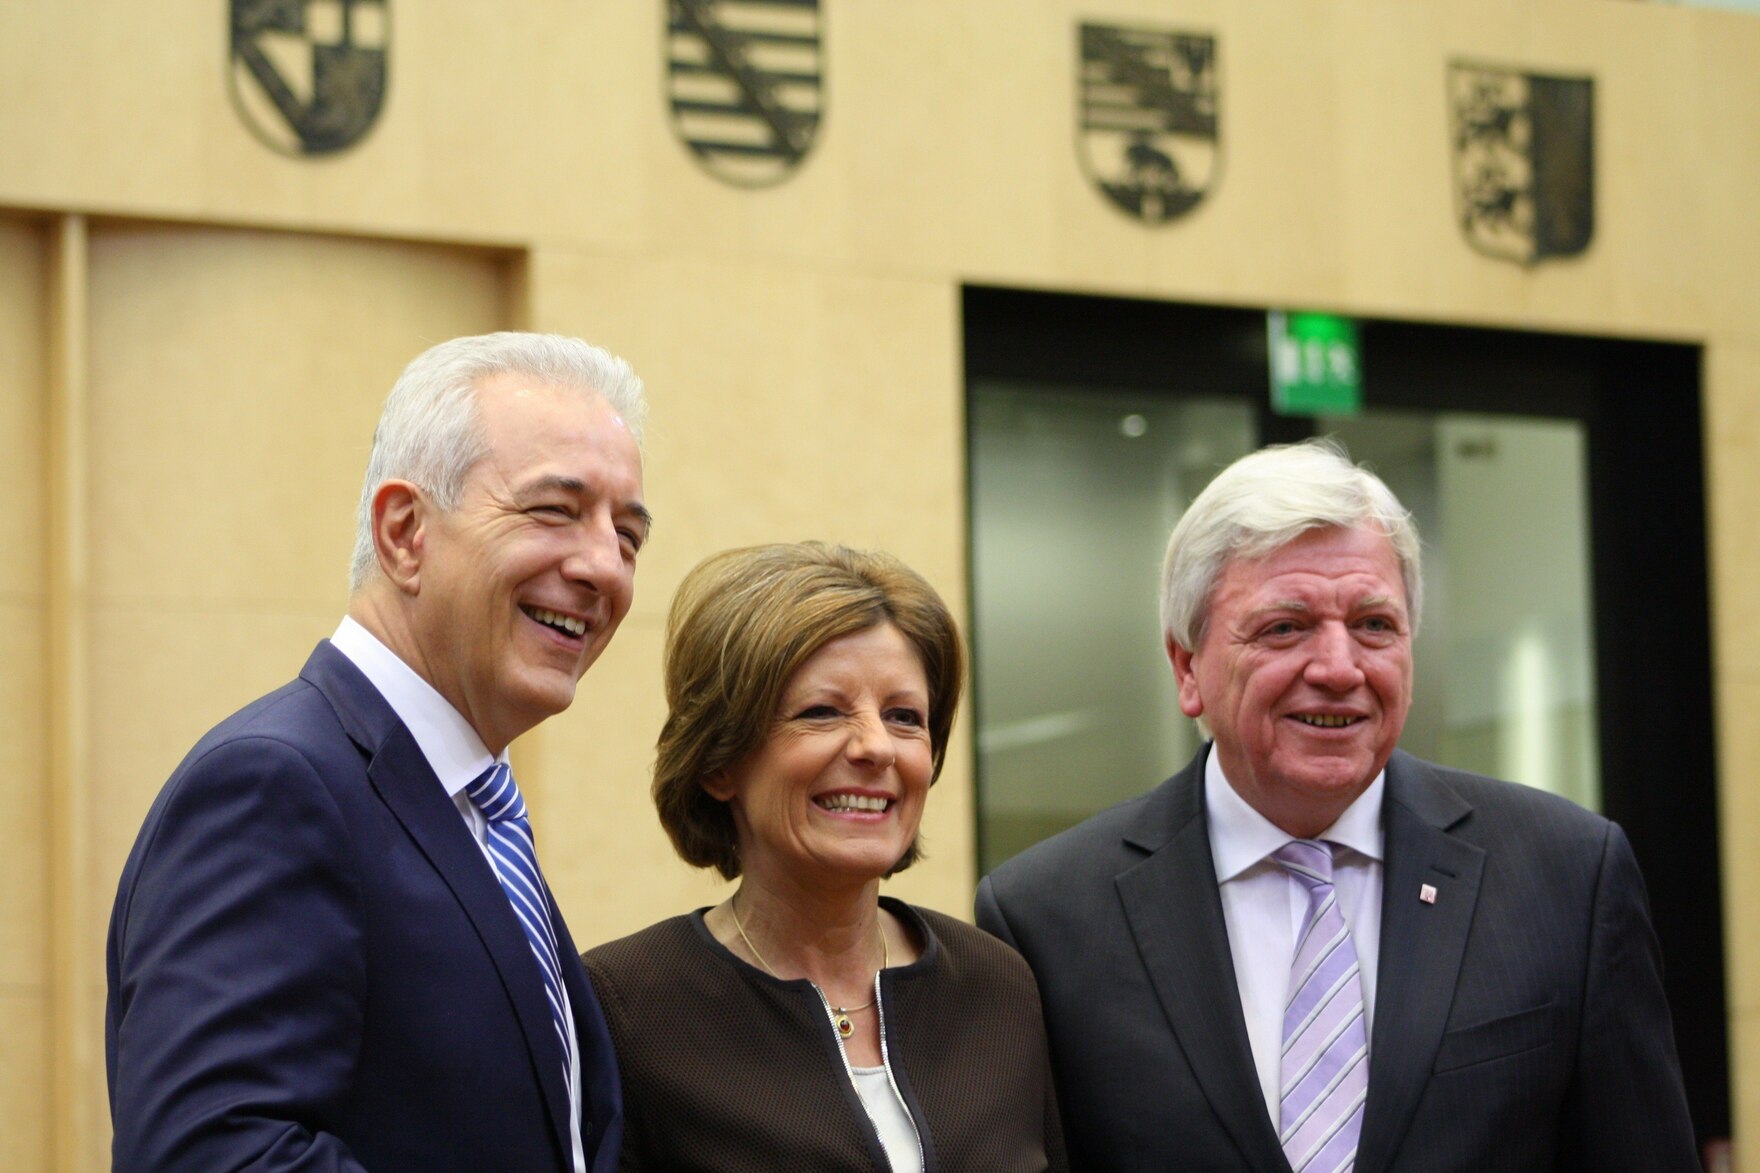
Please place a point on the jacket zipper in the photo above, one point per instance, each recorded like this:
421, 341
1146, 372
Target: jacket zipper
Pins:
886, 1063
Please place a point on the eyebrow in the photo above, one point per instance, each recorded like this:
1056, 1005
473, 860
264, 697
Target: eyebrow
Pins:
1370, 603
577, 487
1284, 605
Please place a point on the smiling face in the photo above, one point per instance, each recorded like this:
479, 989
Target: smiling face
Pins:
522, 585
835, 793
1304, 673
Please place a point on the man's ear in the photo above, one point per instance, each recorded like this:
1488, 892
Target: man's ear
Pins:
400, 514
1190, 703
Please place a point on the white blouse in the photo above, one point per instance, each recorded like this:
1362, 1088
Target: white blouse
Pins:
897, 1131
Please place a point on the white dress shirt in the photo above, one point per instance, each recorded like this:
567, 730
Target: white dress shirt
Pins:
1264, 906
458, 756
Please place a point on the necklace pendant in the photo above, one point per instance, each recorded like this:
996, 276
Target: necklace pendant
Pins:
845, 1027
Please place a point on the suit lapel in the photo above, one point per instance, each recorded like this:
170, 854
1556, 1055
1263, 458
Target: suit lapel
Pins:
1175, 913
406, 783
1422, 944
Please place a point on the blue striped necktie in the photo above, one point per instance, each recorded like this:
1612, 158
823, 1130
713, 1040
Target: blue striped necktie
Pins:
516, 865
1325, 1068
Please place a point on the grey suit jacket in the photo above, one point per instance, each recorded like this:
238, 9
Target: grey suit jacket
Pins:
1520, 1022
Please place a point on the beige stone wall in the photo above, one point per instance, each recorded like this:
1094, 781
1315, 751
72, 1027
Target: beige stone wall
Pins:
788, 403
195, 333
231, 393
24, 714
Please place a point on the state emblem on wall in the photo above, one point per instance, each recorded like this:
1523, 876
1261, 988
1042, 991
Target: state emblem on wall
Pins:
745, 78
1147, 118
308, 76
1524, 161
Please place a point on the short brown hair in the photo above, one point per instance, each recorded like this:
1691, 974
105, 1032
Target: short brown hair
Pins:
742, 622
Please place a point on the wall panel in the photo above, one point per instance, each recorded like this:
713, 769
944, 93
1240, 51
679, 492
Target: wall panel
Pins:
848, 383
235, 379
24, 1114
24, 892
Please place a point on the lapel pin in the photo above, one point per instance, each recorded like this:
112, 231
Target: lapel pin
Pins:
1427, 893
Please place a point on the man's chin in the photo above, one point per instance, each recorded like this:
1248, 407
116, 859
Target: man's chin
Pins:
1346, 781
1326, 776
542, 695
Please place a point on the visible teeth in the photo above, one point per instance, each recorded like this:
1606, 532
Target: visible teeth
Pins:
1325, 722
852, 802
560, 622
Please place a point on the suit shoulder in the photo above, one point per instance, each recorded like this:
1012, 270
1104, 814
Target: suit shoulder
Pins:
1518, 800
281, 758
1095, 845
292, 732
295, 719
295, 714
1509, 813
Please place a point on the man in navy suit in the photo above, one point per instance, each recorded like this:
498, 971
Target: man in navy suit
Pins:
313, 963
1308, 950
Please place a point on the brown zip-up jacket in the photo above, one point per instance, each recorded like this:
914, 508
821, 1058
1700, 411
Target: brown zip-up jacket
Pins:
728, 1069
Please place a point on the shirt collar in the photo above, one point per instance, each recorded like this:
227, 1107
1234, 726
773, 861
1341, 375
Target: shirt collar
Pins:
1240, 836
453, 749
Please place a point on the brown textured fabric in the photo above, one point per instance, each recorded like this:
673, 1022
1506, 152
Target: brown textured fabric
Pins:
726, 1068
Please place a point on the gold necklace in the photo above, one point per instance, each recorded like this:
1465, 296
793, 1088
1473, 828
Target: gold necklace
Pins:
839, 1014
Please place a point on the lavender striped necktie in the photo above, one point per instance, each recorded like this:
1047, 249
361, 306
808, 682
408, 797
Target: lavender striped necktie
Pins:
515, 857
1325, 1075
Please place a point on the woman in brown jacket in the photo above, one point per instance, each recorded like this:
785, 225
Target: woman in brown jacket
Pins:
807, 1022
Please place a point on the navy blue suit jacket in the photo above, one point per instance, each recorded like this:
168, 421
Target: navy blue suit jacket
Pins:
312, 966
1519, 1023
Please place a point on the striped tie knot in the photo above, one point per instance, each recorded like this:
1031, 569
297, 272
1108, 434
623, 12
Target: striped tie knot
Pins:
1308, 860
1324, 1071
497, 795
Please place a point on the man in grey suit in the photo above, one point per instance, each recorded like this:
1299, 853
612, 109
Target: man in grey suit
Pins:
1309, 950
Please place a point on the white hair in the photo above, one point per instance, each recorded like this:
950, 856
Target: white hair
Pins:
1264, 501
430, 432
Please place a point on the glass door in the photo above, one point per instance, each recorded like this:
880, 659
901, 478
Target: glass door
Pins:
1073, 493
1505, 658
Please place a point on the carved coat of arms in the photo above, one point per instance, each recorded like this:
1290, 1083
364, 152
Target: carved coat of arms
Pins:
745, 78
1524, 161
1147, 118
308, 76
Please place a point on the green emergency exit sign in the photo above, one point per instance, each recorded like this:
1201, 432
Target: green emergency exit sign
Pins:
1316, 368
